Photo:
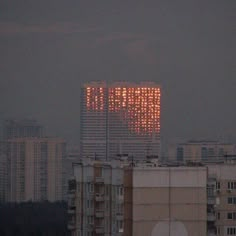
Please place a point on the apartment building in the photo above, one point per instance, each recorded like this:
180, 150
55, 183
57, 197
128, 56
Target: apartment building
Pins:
96, 199
222, 194
136, 199
35, 169
20, 128
201, 151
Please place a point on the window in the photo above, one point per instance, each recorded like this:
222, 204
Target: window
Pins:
204, 153
210, 153
218, 215
90, 219
107, 190
180, 154
119, 190
231, 200
89, 203
210, 191
119, 225
231, 185
217, 185
90, 187
231, 231
231, 215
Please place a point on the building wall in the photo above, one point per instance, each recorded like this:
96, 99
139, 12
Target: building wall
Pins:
120, 118
96, 202
200, 151
154, 200
169, 195
14, 128
225, 195
35, 169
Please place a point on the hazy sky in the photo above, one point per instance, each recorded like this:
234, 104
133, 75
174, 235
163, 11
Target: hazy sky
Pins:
48, 48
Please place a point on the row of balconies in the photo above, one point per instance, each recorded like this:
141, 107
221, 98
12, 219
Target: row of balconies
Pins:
211, 216
98, 229
71, 225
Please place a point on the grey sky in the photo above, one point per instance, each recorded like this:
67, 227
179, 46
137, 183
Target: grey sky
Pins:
48, 48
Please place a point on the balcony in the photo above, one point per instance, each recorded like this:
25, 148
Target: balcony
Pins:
71, 211
211, 200
99, 180
89, 211
211, 180
211, 216
119, 216
89, 179
71, 226
100, 230
71, 194
99, 197
71, 186
99, 214
121, 198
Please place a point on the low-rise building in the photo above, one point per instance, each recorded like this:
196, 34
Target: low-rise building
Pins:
137, 198
200, 151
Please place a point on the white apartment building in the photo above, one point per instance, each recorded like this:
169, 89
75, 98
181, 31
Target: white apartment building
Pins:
35, 169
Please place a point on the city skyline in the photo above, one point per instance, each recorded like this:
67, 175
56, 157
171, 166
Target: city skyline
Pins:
49, 50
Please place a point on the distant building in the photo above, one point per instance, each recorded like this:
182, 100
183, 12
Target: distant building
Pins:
136, 199
35, 169
120, 118
15, 128
201, 151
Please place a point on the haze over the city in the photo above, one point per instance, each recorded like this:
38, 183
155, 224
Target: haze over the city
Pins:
49, 48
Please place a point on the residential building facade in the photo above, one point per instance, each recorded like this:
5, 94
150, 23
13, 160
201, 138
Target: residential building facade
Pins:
35, 169
223, 181
96, 199
200, 151
136, 199
20, 128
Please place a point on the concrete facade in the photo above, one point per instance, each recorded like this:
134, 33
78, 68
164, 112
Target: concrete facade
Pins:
35, 169
201, 151
167, 201
96, 197
154, 201
223, 181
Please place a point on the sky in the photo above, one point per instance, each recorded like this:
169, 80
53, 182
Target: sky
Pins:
49, 48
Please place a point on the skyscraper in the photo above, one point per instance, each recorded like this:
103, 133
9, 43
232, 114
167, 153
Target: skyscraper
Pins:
120, 119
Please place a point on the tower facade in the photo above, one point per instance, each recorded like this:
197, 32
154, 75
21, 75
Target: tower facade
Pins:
35, 169
15, 128
120, 119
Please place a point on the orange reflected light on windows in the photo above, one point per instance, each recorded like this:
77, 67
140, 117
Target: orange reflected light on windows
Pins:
138, 107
